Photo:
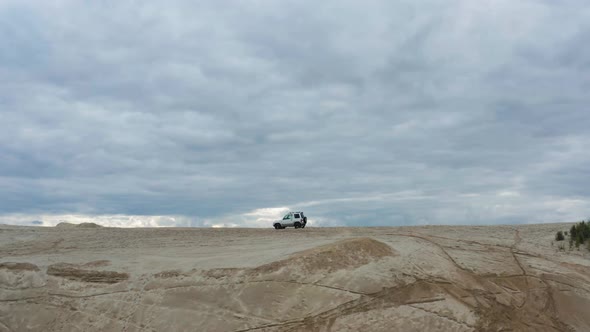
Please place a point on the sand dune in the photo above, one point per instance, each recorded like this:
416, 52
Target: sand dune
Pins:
432, 278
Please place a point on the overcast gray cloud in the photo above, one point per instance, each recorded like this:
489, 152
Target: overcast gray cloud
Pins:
225, 113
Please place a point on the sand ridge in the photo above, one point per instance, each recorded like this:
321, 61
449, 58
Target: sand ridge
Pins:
343, 254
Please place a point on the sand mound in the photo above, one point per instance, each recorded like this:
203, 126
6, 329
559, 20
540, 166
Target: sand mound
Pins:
169, 274
344, 254
88, 225
65, 225
99, 263
81, 225
73, 272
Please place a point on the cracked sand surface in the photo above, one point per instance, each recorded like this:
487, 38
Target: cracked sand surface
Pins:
430, 278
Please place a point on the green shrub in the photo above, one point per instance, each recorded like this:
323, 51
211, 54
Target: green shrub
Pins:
559, 236
585, 230
580, 232
573, 231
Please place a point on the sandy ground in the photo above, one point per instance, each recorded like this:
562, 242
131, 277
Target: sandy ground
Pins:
432, 278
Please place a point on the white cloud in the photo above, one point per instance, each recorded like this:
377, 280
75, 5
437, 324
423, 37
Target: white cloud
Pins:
103, 220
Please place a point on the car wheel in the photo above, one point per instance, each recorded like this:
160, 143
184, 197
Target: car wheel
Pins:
277, 226
297, 225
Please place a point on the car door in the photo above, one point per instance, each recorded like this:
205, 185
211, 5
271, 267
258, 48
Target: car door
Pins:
287, 220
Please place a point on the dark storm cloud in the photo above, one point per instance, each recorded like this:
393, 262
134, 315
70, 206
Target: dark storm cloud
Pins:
363, 114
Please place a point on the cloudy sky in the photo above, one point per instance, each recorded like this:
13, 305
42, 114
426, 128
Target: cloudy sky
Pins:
228, 113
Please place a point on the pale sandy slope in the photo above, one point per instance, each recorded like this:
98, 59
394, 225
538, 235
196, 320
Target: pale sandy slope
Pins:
500, 278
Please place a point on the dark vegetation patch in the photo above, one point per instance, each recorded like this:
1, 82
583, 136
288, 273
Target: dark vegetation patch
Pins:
74, 272
579, 234
19, 266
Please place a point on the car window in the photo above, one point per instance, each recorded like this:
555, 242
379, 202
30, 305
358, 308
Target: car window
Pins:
296, 215
287, 216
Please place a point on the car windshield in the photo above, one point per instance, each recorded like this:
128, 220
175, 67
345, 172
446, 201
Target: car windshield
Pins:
287, 216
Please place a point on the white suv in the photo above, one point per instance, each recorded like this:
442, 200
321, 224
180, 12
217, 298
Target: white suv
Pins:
291, 219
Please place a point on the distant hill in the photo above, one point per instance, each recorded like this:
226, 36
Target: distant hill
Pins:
81, 225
